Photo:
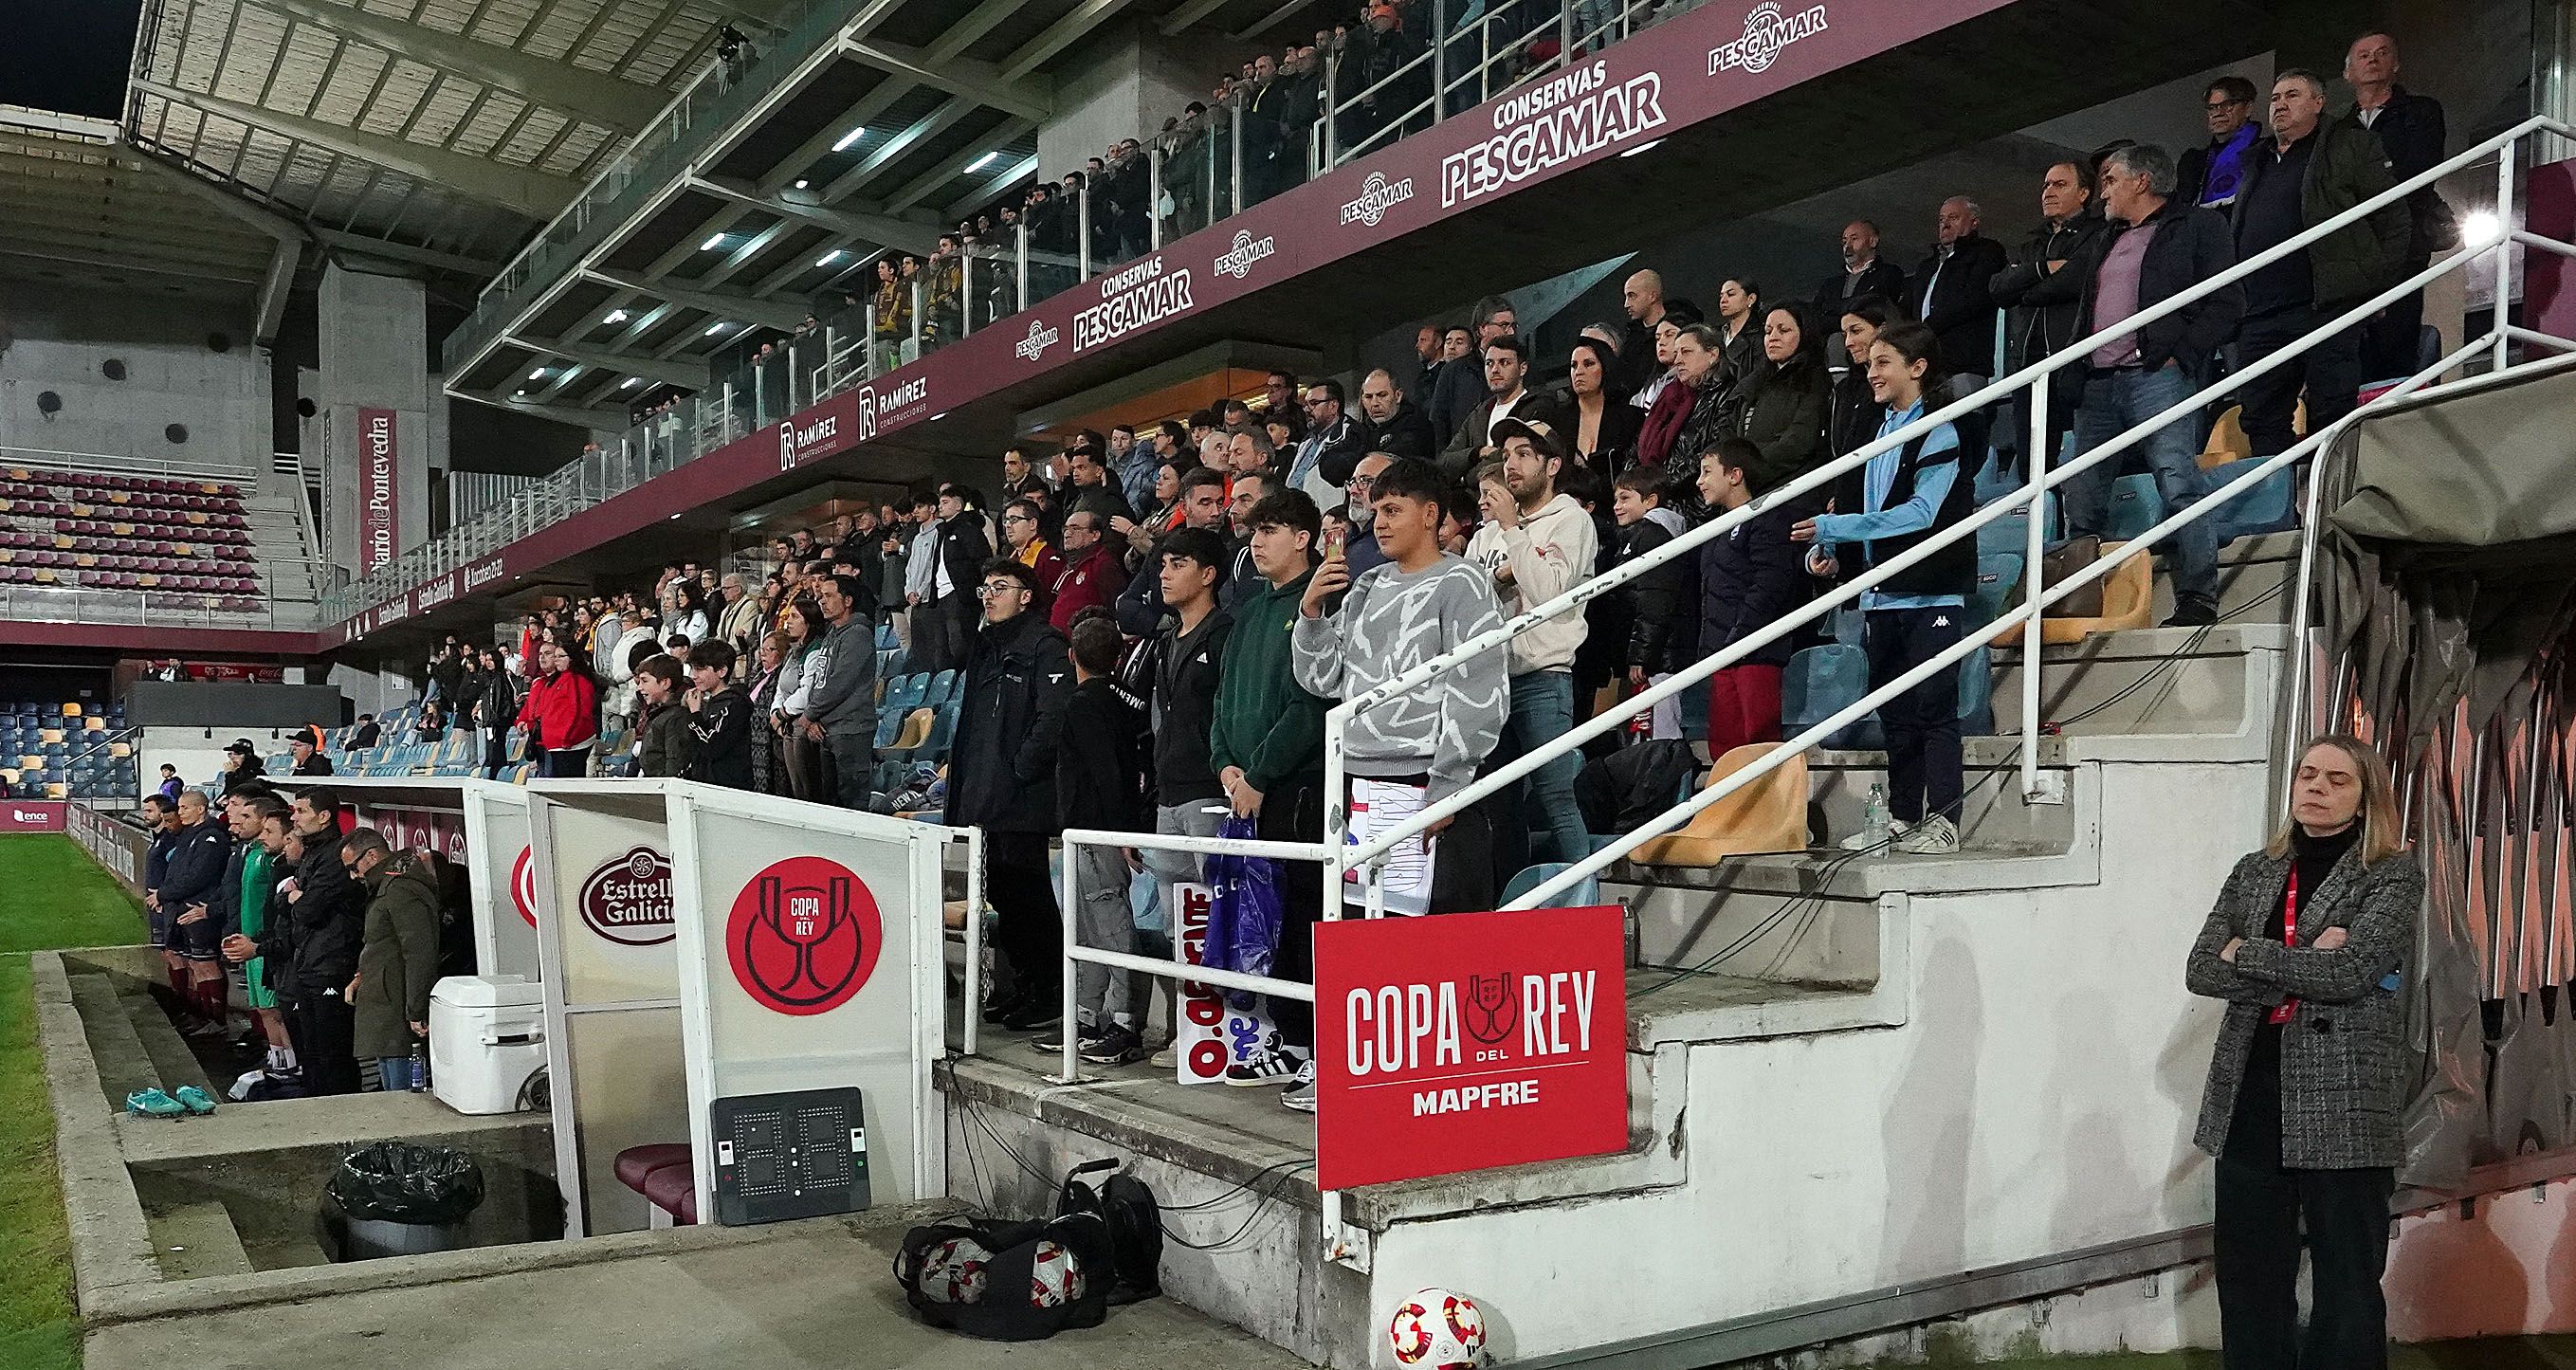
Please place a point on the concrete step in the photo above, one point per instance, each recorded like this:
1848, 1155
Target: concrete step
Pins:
2152, 682
171, 1055
196, 1240
124, 1066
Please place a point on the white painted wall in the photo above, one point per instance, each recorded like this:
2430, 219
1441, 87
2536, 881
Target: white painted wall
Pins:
197, 752
2040, 1098
60, 338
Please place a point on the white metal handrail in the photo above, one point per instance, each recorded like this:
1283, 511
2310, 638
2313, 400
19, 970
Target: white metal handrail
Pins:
1338, 719
129, 464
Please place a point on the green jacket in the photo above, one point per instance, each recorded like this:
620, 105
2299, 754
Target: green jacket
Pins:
1266, 722
2347, 166
399, 961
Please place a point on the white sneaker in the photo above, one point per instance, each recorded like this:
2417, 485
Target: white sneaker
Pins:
1862, 841
1168, 1058
1269, 1067
1300, 1094
1934, 836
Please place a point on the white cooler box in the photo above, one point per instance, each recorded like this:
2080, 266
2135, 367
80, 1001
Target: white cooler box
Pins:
487, 1036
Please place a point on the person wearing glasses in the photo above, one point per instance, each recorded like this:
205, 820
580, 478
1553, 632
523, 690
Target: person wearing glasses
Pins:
1333, 445
2209, 176
1001, 777
1359, 544
1024, 529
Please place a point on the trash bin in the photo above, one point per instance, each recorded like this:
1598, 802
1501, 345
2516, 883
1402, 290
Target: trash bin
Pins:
397, 1199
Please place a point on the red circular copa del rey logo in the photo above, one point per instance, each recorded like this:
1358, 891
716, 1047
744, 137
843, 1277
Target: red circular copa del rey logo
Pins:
523, 884
803, 936
629, 900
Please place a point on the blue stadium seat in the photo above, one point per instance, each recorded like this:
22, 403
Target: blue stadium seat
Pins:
943, 687
1976, 694
1584, 893
1820, 682
2272, 508
1998, 573
2011, 532
2136, 506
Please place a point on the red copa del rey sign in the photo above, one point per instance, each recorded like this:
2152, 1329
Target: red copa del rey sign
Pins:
1467, 1041
803, 936
379, 483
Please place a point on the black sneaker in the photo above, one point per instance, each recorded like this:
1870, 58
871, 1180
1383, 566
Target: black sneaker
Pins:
2192, 616
1052, 1043
1115, 1047
1002, 1008
1273, 1066
1039, 1011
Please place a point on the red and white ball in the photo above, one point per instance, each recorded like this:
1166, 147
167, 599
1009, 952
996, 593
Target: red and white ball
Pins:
1436, 1330
1056, 1278
953, 1272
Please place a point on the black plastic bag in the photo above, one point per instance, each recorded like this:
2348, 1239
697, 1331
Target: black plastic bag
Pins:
402, 1183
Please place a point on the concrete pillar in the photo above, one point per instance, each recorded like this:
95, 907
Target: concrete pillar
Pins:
1129, 81
374, 398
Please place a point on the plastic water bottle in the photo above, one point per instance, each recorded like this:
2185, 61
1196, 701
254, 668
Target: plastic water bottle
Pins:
1873, 814
419, 1067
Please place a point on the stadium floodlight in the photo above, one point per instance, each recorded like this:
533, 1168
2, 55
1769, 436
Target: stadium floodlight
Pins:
850, 137
2481, 228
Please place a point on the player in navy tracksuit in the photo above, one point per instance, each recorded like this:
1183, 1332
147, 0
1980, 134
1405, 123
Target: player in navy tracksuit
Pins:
199, 852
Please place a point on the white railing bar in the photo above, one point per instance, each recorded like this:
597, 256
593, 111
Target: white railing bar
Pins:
2528, 238
2520, 334
1689, 541
2029, 494
1968, 643
1180, 970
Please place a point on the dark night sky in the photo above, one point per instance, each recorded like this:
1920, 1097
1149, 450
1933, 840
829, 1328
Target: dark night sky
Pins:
69, 56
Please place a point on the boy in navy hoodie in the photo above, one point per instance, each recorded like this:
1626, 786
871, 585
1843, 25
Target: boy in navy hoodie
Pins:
1749, 579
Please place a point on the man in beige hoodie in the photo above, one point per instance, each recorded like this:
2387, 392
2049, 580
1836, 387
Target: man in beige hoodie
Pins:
1544, 544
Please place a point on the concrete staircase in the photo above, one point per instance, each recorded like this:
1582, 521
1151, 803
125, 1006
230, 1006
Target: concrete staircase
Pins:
286, 562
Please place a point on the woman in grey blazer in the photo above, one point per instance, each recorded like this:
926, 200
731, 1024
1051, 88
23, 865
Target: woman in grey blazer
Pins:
2307, 1087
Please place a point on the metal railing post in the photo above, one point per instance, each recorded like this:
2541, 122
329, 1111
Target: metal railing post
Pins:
794, 369
1082, 232
831, 359
1154, 194
1439, 60
2504, 256
919, 308
1332, 112
2035, 462
1234, 162
1024, 263
1069, 888
965, 291
1565, 33
868, 362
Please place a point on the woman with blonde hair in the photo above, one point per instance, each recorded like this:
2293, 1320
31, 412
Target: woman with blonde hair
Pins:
2307, 1087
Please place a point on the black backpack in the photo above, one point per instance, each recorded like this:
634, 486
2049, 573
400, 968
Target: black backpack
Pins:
1133, 1221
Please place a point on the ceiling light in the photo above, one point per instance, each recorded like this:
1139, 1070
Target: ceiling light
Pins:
850, 137
984, 161
631, 382
714, 241
1643, 147
713, 329
830, 257
800, 185
538, 374
615, 316
523, 392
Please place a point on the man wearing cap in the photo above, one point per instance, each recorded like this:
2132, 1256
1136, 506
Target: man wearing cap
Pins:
1546, 544
242, 767
306, 747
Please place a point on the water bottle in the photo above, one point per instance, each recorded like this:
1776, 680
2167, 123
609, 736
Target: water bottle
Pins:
1873, 814
419, 1067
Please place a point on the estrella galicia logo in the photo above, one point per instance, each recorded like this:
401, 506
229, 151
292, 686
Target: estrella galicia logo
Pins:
1491, 1009
1768, 31
803, 936
1040, 338
1247, 249
1377, 196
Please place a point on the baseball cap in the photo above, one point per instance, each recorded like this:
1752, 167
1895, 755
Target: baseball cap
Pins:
1540, 436
241, 747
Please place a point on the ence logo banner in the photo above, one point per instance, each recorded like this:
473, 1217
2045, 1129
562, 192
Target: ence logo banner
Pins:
803, 936
1468, 1041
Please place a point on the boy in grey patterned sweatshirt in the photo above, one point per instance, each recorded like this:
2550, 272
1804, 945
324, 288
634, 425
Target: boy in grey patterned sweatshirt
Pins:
1420, 605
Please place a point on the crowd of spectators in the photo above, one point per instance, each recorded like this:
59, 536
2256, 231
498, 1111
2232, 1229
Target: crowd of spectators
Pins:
331, 938
1151, 622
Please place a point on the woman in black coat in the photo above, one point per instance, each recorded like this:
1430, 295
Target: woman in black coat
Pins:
1605, 424
1783, 403
2306, 1103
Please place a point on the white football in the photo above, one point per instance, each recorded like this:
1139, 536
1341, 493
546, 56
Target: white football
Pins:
954, 1271
1437, 1330
1056, 1278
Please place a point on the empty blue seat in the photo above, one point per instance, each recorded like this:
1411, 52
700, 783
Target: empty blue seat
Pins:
1998, 574
1976, 694
1820, 682
943, 687
908, 692
1582, 894
2136, 506
2272, 507
2011, 531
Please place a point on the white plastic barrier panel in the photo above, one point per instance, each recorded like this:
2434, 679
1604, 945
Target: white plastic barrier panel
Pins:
502, 866
811, 955
605, 942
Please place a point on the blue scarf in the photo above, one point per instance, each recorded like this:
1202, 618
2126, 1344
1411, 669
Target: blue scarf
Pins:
2227, 167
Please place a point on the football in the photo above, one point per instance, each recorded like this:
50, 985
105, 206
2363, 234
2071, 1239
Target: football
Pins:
954, 1271
1056, 1278
1436, 1330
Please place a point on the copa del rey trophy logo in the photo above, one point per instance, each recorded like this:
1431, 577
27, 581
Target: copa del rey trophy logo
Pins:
803, 936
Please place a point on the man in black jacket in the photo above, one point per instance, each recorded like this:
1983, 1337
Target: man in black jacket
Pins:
2412, 129
1954, 294
1389, 423
1461, 386
2045, 299
1865, 275
2155, 247
1001, 778
1100, 783
943, 619
319, 941
189, 882
719, 718
2310, 170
